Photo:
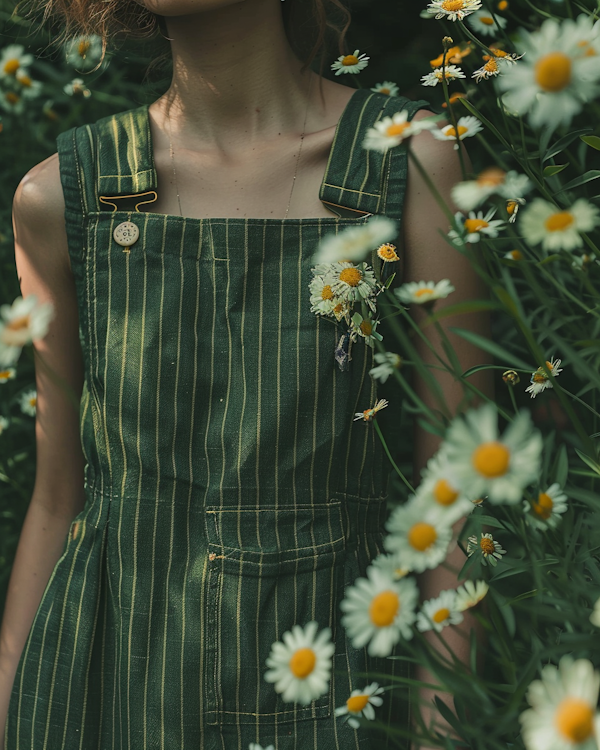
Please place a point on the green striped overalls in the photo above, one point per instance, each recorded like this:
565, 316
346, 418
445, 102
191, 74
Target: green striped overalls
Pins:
229, 492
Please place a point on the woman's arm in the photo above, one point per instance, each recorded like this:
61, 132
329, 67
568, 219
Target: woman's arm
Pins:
429, 257
43, 269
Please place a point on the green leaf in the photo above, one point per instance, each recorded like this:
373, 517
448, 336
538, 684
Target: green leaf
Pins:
591, 140
463, 307
491, 347
561, 144
562, 465
592, 174
589, 461
554, 169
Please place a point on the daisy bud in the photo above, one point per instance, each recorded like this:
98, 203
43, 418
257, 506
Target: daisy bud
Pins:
510, 377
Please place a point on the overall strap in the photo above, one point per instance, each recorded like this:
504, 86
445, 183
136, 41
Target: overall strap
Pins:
360, 181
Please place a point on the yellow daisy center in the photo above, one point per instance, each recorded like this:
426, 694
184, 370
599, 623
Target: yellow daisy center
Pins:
491, 177
356, 703
491, 66
18, 323
83, 48
559, 221
25, 81
384, 608
491, 459
487, 20
302, 663
553, 71
421, 536
502, 5
11, 66
351, 276
461, 131
424, 290
511, 207
453, 5
350, 60
388, 252
574, 719
397, 128
4, 374
544, 505
487, 545
384, 90
516, 255
444, 493
441, 615
326, 292
366, 328
475, 225
338, 309
11, 97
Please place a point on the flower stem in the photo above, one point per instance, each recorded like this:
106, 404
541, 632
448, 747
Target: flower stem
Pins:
389, 455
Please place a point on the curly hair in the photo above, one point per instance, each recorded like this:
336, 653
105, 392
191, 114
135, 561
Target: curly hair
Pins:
312, 26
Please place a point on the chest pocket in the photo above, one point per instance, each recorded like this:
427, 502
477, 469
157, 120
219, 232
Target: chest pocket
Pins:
269, 569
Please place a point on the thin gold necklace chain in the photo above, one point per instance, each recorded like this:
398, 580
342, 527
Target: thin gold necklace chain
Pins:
297, 158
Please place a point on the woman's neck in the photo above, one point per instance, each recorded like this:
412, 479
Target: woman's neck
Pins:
236, 81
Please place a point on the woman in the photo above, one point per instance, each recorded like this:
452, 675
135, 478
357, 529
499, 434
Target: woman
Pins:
228, 493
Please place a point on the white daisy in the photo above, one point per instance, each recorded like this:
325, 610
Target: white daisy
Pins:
13, 58
360, 703
3, 424
582, 261
84, 52
469, 194
387, 362
350, 63
365, 328
491, 550
545, 512
563, 713
322, 299
483, 22
476, 225
29, 88
422, 292
512, 208
540, 381
595, 616
490, 69
379, 611
467, 126
354, 243
12, 102
387, 253
390, 565
439, 612
439, 487
256, 746
77, 87
554, 79
558, 229
387, 87
28, 402
301, 665
419, 533
489, 464
450, 73
470, 594
513, 255
368, 414
7, 374
453, 10
352, 283
20, 323
392, 131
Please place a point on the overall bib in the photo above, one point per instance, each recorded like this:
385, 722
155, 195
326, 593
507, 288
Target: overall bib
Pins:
229, 493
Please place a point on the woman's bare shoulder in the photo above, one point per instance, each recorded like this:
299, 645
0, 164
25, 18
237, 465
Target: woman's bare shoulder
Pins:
39, 212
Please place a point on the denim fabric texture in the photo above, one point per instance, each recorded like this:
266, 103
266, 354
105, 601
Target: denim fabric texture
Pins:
229, 493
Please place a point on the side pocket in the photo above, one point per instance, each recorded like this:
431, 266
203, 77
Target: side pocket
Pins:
270, 569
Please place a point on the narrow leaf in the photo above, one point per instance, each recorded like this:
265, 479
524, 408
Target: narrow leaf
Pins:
554, 169
492, 348
591, 140
561, 144
592, 174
